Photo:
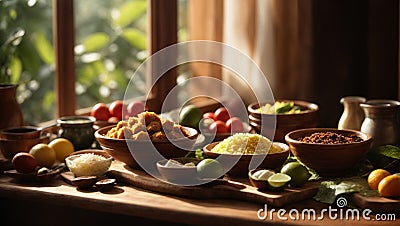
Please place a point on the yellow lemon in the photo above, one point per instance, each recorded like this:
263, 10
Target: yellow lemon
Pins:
44, 155
375, 177
63, 148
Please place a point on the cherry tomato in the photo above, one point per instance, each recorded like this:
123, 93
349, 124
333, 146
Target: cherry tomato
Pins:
218, 127
209, 115
100, 111
135, 107
24, 162
116, 108
222, 114
234, 125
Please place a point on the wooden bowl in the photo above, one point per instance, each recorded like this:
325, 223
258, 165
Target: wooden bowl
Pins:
278, 125
241, 168
123, 149
11, 147
258, 183
328, 160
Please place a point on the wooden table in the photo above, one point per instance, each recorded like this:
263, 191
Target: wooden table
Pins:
62, 204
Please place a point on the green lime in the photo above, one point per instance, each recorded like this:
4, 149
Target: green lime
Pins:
209, 168
298, 172
190, 116
278, 181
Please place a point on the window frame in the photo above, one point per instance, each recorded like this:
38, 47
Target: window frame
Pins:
163, 31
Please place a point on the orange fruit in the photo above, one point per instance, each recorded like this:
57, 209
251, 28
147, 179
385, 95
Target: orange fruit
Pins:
390, 186
375, 177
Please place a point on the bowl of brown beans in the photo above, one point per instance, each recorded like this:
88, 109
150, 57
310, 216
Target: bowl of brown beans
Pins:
330, 152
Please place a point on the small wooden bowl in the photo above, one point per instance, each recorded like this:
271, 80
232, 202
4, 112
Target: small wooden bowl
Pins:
278, 125
260, 184
122, 149
241, 168
328, 160
11, 147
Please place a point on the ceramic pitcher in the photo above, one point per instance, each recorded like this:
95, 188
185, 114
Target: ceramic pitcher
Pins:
12, 117
381, 121
353, 114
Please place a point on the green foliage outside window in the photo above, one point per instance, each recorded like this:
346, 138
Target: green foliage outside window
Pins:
110, 45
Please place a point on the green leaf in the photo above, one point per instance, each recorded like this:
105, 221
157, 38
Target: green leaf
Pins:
329, 190
96, 41
389, 151
16, 69
44, 47
130, 11
135, 38
48, 101
88, 74
29, 58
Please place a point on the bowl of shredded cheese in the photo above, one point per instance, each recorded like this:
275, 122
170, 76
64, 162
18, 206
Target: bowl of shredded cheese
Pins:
88, 164
237, 151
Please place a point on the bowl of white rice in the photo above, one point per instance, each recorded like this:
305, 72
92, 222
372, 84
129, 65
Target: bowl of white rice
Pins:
237, 151
88, 164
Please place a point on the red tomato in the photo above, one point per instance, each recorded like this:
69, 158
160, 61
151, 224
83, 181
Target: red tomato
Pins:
116, 108
209, 115
222, 114
234, 125
135, 107
100, 111
24, 162
218, 127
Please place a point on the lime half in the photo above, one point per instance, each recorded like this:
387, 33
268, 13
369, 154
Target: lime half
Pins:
279, 181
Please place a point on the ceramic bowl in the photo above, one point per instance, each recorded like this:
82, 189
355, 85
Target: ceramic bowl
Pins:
176, 174
278, 125
93, 167
241, 168
328, 159
121, 149
93, 151
21, 132
10, 147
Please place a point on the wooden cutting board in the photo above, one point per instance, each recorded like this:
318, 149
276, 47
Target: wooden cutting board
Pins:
377, 204
239, 189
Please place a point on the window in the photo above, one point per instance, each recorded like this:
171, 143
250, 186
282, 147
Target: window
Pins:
162, 32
